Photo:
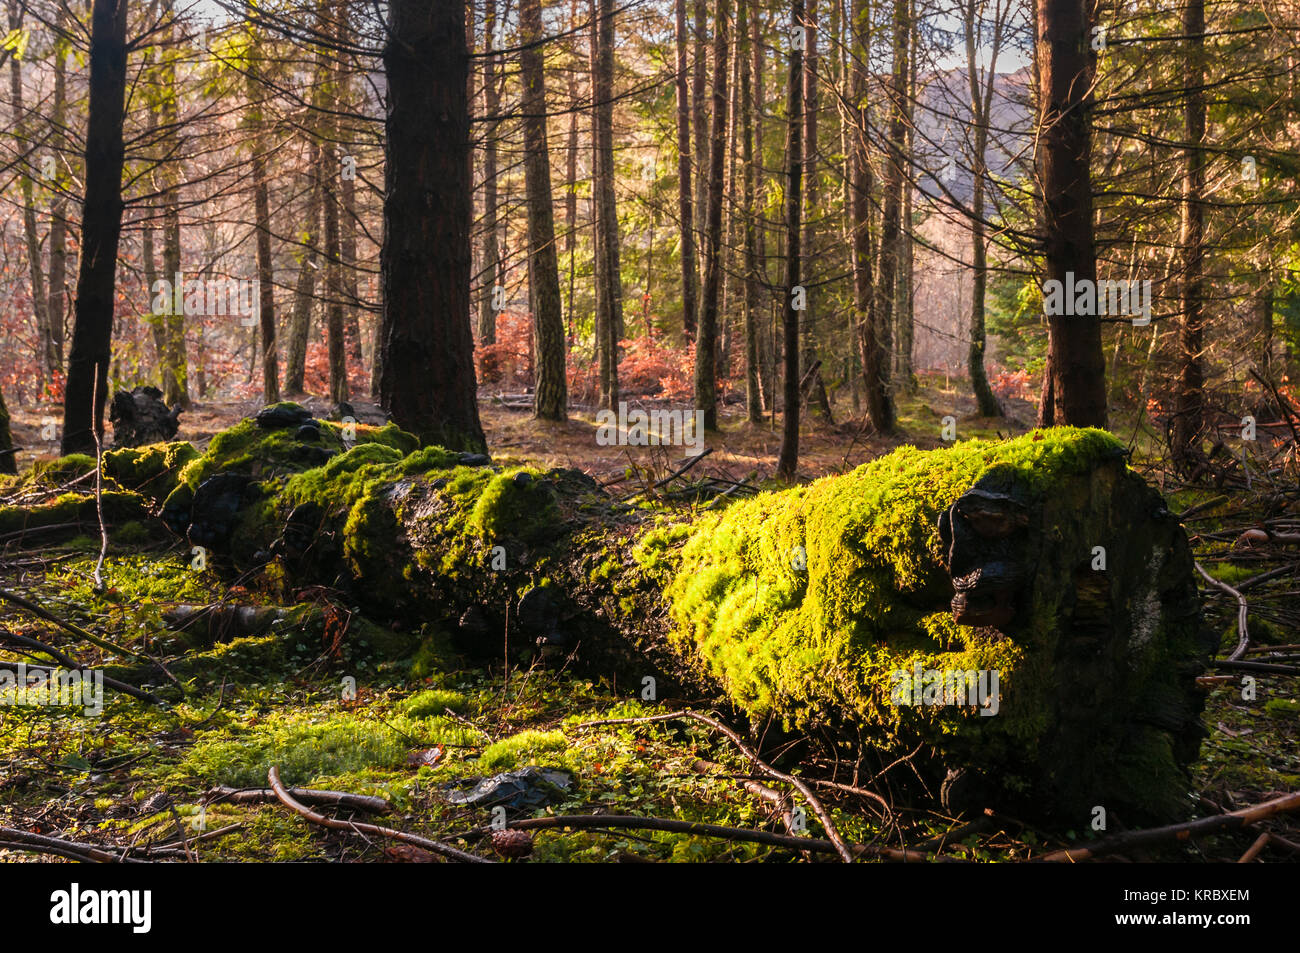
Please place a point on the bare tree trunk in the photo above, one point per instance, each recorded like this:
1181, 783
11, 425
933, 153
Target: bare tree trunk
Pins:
262, 211
980, 103
609, 279
101, 227
550, 399
571, 189
1189, 410
706, 341
487, 315
873, 334
428, 384
1078, 369
685, 195
35, 270
788, 459
58, 284
812, 196
891, 243
175, 376
750, 295
304, 292
700, 124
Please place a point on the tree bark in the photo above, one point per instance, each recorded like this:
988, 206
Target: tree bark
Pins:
1078, 368
891, 227
304, 292
788, 458
101, 227
428, 384
1189, 408
706, 340
487, 315
35, 269
58, 284
981, 96
550, 401
685, 193
609, 279
873, 335
750, 296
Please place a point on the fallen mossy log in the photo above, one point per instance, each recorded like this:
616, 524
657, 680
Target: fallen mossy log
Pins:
1024, 610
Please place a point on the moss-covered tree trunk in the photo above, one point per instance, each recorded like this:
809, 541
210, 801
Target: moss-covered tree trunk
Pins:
1024, 611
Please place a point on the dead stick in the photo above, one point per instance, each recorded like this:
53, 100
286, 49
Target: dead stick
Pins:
814, 802
76, 630
1243, 635
360, 802
58, 845
112, 683
1256, 848
1205, 825
357, 827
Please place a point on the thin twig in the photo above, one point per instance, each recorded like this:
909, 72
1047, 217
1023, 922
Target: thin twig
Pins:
358, 827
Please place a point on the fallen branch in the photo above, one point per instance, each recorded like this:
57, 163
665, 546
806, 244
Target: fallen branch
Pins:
68, 661
814, 802
14, 839
42, 613
357, 827
1236, 820
358, 802
1243, 635
125, 689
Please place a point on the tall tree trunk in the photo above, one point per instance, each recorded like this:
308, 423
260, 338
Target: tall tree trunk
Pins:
304, 292
175, 376
428, 384
348, 197
706, 341
35, 268
700, 123
766, 328
487, 314
891, 230
101, 227
266, 283
262, 210
550, 401
812, 198
58, 284
906, 336
1078, 369
571, 186
750, 300
608, 272
873, 331
1189, 408
685, 194
334, 290
980, 106
788, 459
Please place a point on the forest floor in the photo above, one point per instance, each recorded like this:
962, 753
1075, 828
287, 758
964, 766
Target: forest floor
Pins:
140, 779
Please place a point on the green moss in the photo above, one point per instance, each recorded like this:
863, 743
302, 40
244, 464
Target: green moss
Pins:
522, 748
434, 701
302, 748
153, 470
60, 471
73, 508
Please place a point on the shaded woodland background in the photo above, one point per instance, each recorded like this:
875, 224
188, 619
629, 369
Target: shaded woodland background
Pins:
254, 148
